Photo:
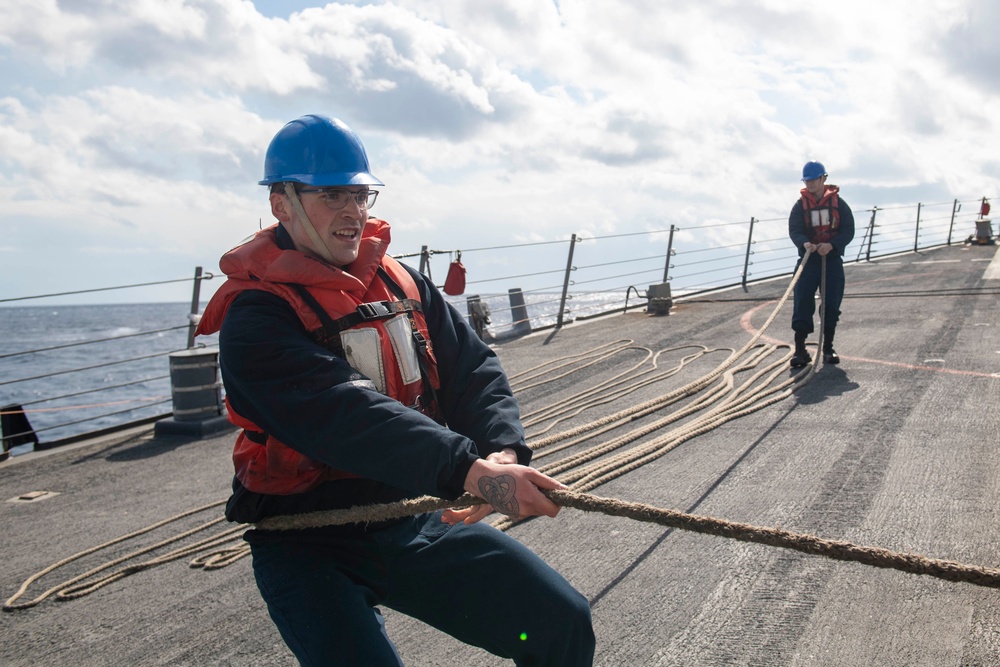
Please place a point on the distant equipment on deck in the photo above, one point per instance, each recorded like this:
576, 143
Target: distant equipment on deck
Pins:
14, 429
658, 299
984, 228
479, 314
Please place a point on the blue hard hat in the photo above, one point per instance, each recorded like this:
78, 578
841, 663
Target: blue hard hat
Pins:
813, 170
317, 150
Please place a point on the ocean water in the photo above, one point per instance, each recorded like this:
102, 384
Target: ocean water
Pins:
543, 307
121, 374
111, 363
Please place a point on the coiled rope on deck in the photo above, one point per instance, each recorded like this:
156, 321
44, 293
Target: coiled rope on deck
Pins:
582, 471
723, 403
73, 588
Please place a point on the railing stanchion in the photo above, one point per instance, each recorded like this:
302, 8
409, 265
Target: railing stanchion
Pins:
425, 261
871, 234
569, 268
195, 304
955, 208
746, 259
916, 232
670, 251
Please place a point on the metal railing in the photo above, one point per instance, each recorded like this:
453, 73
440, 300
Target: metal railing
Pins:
600, 272
73, 386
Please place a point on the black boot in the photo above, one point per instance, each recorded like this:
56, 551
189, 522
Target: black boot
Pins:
801, 356
829, 354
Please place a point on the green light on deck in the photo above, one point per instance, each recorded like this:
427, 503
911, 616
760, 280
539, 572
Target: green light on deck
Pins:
524, 636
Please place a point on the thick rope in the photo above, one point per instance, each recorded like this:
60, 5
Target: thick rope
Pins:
774, 537
910, 563
809, 544
737, 403
590, 358
732, 402
689, 389
68, 590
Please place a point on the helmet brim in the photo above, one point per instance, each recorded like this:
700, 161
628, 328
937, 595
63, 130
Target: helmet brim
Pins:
325, 180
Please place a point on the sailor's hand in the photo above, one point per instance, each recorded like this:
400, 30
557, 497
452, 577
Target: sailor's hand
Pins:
824, 249
809, 246
509, 488
506, 456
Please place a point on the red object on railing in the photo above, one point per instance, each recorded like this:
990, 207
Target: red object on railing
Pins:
984, 210
454, 284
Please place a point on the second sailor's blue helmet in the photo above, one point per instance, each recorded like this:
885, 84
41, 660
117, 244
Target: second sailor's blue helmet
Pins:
317, 150
813, 170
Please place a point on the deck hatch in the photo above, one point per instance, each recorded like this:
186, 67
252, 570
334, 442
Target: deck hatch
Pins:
33, 496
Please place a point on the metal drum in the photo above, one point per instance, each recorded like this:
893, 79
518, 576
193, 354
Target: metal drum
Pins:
196, 389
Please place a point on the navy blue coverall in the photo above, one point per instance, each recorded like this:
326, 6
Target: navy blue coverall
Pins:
812, 274
323, 586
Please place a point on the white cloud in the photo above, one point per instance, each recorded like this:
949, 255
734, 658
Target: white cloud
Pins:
143, 124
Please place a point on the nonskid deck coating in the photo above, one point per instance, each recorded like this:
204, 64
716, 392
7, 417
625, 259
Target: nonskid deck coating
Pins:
896, 447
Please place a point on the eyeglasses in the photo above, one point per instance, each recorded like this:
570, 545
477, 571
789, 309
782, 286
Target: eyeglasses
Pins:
337, 198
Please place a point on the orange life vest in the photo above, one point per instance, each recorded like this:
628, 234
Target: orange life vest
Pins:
369, 314
822, 217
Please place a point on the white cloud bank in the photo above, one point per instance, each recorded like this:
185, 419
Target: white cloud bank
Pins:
132, 132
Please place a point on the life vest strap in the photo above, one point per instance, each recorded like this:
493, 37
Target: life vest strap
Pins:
329, 334
375, 310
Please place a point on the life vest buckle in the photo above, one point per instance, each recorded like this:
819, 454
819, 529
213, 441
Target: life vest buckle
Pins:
375, 310
421, 342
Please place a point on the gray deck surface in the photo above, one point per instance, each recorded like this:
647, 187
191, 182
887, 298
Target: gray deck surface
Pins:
897, 447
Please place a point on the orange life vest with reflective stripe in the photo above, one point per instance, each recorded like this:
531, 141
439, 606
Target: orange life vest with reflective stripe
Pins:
379, 329
822, 217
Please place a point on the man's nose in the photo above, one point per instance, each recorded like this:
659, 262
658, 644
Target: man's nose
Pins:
354, 207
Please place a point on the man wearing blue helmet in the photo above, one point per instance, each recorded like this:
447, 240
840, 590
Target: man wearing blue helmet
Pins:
822, 223
355, 383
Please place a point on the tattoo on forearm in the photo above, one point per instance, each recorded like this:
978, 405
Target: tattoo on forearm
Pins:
499, 492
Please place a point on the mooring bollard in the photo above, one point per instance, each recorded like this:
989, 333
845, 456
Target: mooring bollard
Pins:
984, 231
518, 312
197, 395
660, 300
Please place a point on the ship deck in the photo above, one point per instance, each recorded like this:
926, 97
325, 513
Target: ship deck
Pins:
897, 447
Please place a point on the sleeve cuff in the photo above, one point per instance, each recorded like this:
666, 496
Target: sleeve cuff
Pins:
456, 484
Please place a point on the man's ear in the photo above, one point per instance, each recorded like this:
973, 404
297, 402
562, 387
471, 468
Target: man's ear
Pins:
280, 207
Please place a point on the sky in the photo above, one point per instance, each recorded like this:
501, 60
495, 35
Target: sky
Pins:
133, 132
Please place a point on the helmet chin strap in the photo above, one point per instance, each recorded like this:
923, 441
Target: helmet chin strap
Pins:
302, 220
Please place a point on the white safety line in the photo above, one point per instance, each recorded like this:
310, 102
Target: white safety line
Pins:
993, 270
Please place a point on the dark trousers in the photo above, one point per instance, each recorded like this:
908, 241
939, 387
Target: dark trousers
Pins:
809, 284
475, 583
